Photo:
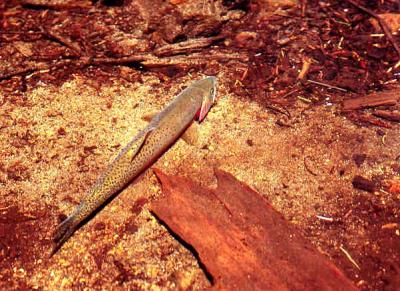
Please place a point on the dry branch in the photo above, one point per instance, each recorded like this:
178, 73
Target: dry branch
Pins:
372, 100
195, 59
388, 115
41, 4
64, 40
188, 46
147, 60
19, 72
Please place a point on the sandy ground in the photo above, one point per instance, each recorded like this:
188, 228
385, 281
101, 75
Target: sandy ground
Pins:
56, 141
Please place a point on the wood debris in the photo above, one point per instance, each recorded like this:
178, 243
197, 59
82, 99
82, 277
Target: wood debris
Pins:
381, 22
347, 254
392, 186
187, 46
58, 5
390, 225
362, 183
392, 20
385, 98
364, 118
240, 239
388, 115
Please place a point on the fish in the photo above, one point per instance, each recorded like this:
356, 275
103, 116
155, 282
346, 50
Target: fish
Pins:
164, 129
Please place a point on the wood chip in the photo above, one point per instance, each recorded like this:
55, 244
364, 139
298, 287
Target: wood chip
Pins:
390, 226
362, 183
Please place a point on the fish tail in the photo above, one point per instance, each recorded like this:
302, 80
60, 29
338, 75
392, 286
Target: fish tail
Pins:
63, 232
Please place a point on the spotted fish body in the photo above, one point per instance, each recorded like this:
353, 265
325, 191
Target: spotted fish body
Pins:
142, 151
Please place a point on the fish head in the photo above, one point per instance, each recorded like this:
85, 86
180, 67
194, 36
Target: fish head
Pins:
209, 86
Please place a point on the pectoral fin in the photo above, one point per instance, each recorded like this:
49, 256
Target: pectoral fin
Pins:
191, 135
149, 116
138, 145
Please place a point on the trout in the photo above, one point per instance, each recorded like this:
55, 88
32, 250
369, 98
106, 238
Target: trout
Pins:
141, 152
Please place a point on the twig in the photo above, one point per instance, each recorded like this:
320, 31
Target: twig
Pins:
62, 40
219, 55
18, 72
21, 32
81, 62
381, 22
327, 85
309, 168
56, 6
281, 110
349, 257
30, 217
122, 60
194, 59
147, 60
51, 34
151, 61
321, 217
186, 46
348, 213
304, 99
305, 68
289, 93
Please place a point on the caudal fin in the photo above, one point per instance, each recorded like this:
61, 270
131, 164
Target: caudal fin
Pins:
63, 232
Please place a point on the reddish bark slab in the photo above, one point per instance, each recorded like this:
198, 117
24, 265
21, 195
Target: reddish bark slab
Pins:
241, 240
372, 100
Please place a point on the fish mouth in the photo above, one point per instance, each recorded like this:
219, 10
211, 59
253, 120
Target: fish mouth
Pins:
213, 79
208, 100
205, 107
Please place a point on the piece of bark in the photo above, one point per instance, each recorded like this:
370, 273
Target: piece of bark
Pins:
388, 115
362, 183
372, 100
241, 240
